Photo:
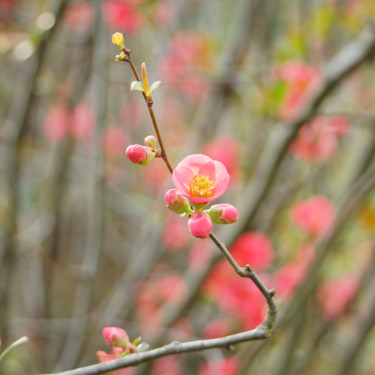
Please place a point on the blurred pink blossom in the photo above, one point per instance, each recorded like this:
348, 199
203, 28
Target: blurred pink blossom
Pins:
56, 124
199, 255
288, 277
226, 366
83, 122
253, 248
318, 140
175, 234
315, 216
114, 140
300, 79
169, 365
79, 15
216, 328
123, 15
335, 295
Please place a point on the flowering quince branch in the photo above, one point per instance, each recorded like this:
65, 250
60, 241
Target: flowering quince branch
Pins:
199, 181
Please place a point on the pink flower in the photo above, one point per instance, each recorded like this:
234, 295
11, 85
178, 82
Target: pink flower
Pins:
315, 216
223, 213
227, 366
200, 178
200, 224
115, 336
336, 295
122, 15
139, 154
105, 357
253, 248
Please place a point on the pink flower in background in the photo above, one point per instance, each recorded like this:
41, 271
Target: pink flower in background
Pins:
236, 296
318, 140
200, 224
123, 15
300, 79
199, 255
175, 235
83, 122
184, 66
216, 328
226, 366
253, 248
336, 295
114, 140
200, 178
297, 74
169, 365
79, 15
151, 294
226, 150
132, 113
315, 216
288, 277
56, 124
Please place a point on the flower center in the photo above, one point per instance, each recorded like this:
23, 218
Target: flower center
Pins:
201, 186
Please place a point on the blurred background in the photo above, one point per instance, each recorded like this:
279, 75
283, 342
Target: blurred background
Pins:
85, 239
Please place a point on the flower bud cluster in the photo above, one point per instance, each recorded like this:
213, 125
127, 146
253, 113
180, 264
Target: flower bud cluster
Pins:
199, 180
142, 155
119, 342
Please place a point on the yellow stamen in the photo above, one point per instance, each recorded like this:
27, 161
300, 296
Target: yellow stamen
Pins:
201, 186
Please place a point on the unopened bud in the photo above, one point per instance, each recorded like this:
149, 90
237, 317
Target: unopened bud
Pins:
150, 141
223, 213
139, 154
118, 40
117, 337
200, 224
176, 202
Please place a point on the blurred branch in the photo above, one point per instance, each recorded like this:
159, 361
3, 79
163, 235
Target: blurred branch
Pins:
356, 343
83, 296
14, 131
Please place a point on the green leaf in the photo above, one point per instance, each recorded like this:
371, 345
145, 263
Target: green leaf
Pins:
136, 85
155, 86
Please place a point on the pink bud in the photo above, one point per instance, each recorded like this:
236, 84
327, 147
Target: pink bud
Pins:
176, 202
139, 154
223, 213
200, 224
115, 336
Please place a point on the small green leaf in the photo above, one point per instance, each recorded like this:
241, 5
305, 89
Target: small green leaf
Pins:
136, 85
137, 340
155, 86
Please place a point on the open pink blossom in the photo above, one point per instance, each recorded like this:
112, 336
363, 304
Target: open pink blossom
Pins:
200, 178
